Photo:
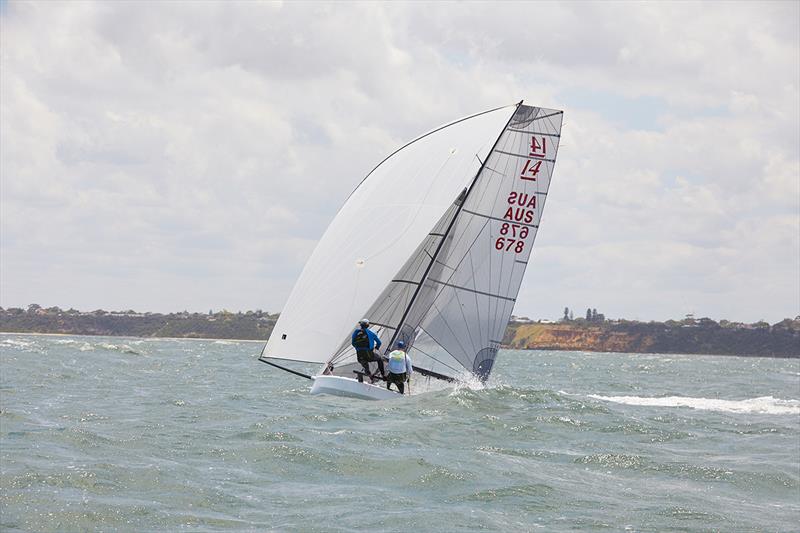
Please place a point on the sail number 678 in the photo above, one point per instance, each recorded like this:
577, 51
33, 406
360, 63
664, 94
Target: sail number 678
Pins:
503, 243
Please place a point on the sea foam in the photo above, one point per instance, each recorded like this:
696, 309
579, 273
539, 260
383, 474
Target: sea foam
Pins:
763, 404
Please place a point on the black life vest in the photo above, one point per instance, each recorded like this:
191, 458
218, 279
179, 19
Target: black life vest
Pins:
361, 341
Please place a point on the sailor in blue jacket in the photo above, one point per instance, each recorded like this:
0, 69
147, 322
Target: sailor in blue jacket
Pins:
365, 340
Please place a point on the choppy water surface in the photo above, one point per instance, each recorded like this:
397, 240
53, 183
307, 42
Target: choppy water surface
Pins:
132, 434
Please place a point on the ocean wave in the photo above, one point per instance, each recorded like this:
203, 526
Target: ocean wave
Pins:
124, 348
20, 345
760, 405
17, 343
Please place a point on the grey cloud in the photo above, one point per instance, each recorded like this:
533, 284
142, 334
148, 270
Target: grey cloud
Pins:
188, 155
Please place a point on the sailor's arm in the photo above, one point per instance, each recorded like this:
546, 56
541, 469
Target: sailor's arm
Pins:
377, 340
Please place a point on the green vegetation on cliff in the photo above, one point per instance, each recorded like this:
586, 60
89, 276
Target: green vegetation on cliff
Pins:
595, 333
703, 336
255, 325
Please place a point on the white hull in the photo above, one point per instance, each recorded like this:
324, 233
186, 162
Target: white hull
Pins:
340, 386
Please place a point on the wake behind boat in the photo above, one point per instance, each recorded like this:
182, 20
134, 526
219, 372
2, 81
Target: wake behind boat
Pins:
432, 246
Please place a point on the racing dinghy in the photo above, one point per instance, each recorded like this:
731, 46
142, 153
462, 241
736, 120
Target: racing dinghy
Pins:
431, 247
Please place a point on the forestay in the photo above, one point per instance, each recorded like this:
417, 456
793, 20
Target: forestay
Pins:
452, 299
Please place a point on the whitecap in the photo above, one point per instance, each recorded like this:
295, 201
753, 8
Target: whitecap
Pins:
762, 405
17, 343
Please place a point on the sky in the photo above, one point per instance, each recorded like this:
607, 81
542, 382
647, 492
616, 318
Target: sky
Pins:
176, 155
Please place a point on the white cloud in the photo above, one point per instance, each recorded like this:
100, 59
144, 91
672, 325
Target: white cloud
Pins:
190, 155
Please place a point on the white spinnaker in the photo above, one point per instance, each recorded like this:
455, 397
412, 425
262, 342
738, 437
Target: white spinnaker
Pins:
376, 231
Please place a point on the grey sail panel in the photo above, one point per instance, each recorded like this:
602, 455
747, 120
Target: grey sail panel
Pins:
387, 311
470, 297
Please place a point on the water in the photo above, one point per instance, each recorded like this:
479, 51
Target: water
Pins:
132, 434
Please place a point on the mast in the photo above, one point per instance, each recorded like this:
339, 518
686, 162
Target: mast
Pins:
463, 197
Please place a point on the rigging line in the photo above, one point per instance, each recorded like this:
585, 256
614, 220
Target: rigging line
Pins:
342, 353
444, 265
535, 132
527, 156
405, 281
477, 305
514, 145
471, 245
503, 267
392, 310
344, 349
457, 242
305, 361
440, 282
461, 308
431, 374
456, 370
452, 222
479, 159
490, 169
422, 137
455, 269
550, 174
296, 373
553, 126
508, 163
488, 312
519, 283
437, 375
438, 294
500, 219
547, 116
487, 186
440, 345
453, 333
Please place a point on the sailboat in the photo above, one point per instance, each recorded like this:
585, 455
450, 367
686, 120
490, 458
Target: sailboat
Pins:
431, 247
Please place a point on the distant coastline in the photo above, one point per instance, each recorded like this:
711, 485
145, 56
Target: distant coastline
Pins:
593, 334
688, 336
251, 325
36, 334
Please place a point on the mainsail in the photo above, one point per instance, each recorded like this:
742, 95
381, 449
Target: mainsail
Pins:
432, 247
